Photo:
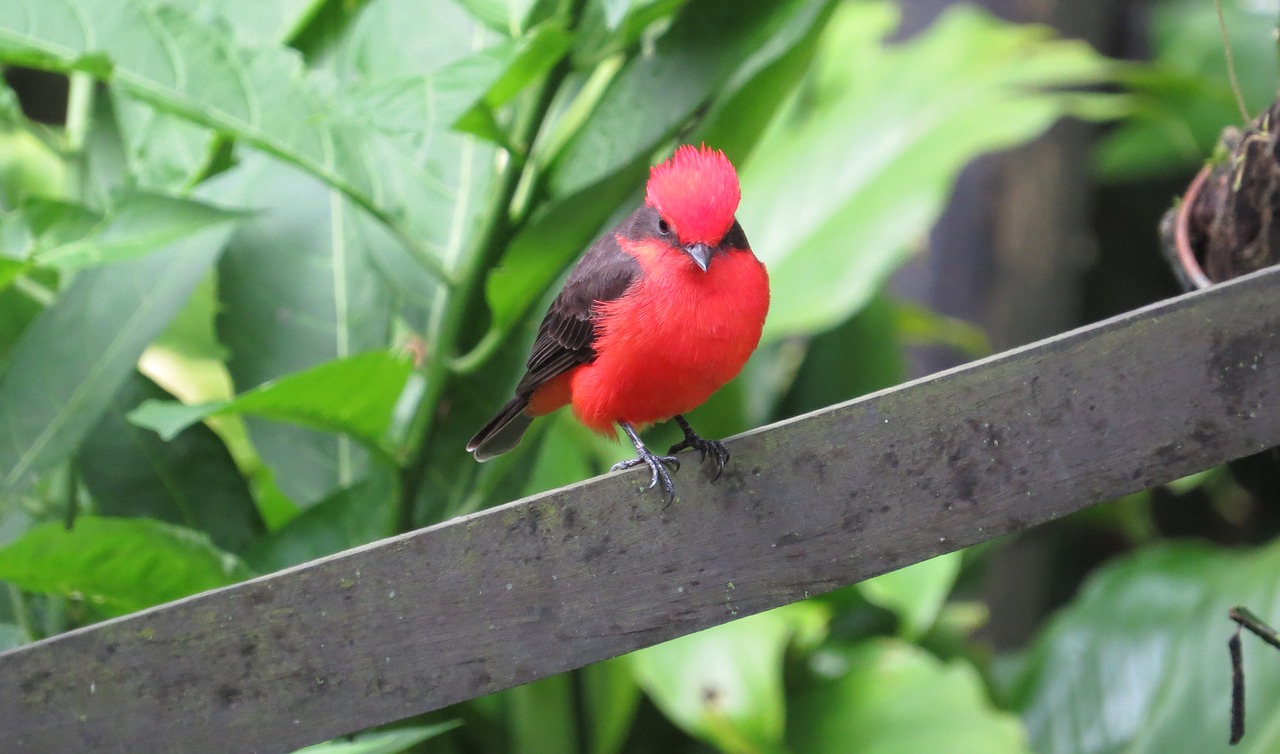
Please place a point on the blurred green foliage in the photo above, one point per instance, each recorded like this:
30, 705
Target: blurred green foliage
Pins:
1183, 101
309, 241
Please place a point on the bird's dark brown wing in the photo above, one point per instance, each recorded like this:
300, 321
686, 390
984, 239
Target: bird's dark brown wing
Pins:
567, 333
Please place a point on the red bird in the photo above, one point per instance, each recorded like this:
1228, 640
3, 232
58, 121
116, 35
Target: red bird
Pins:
656, 316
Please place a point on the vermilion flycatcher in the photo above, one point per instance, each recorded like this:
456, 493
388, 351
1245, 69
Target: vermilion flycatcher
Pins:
658, 314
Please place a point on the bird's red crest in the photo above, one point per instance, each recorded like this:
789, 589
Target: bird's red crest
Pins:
696, 191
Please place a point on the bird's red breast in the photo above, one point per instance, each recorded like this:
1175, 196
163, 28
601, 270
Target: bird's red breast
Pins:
676, 337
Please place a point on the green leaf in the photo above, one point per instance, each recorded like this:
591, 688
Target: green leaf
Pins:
724, 684
17, 311
164, 152
564, 456
167, 152
1138, 662
258, 22
190, 480
536, 53
178, 64
734, 123
505, 16
117, 565
355, 396
916, 593
616, 10
442, 186
190, 333
28, 167
541, 716
382, 742
68, 237
61, 375
296, 288
886, 696
860, 356
610, 700
443, 32
598, 40
348, 518
918, 326
549, 242
860, 162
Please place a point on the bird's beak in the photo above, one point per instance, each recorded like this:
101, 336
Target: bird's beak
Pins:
700, 253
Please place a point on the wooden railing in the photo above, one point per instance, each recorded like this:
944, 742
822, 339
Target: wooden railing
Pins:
556, 581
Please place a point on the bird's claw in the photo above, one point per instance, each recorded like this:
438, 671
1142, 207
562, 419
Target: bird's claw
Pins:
718, 452
658, 466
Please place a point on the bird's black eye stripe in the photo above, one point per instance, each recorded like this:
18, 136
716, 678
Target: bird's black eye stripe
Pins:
663, 228
735, 238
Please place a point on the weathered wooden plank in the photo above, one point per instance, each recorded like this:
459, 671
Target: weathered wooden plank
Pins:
591, 571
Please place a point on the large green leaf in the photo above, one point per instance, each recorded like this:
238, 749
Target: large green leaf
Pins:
189, 480
860, 162
886, 697
444, 183
176, 63
724, 684
1138, 663
296, 289
61, 375
355, 396
166, 151
117, 565
67, 236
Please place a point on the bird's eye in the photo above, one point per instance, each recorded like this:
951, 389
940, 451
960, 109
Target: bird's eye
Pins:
663, 228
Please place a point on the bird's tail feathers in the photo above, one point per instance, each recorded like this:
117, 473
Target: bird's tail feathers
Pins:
503, 432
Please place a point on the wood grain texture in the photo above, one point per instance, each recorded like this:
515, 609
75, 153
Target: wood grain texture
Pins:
554, 582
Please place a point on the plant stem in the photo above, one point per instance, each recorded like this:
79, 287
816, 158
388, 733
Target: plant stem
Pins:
468, 292
1231, 65
79, 120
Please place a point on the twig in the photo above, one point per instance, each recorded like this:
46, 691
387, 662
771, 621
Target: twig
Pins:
1244, 618
1237, 687
1231, 63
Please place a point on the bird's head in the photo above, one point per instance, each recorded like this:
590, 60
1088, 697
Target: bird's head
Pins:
696, 195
